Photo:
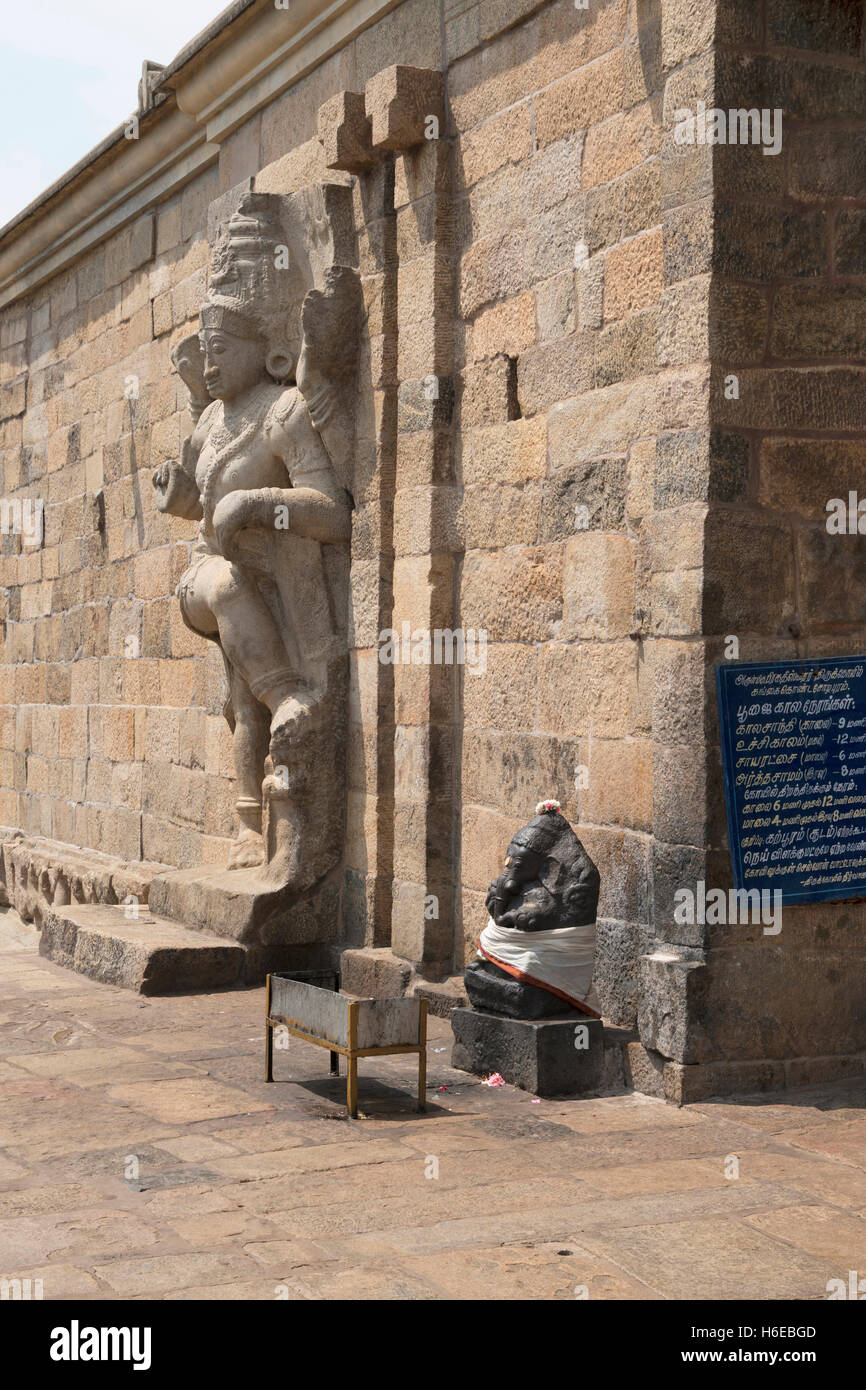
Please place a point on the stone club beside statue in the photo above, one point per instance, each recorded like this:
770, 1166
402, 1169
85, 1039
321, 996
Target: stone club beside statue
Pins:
537, 952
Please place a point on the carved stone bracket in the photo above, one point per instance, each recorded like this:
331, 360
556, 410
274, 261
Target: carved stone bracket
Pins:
393, 114
400, 102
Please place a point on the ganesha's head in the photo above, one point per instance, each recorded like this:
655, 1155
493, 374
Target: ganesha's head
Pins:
547, 849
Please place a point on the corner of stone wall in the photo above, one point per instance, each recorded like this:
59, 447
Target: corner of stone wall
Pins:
764, 271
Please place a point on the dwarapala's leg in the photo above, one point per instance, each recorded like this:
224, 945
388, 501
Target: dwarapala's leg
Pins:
249, 750
224, 598
218, 601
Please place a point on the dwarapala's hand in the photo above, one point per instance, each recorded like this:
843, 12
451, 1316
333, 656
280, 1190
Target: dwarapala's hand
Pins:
175, 491
188, 360
330, 317
237, 511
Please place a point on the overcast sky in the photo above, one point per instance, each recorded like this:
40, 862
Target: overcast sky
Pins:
69, 73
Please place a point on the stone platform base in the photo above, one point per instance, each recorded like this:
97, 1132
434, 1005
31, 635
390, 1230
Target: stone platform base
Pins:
153, 955
241, 905
375, 972
37, 874
540, 1057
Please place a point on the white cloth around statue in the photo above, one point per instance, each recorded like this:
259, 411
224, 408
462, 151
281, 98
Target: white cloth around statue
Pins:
560, 961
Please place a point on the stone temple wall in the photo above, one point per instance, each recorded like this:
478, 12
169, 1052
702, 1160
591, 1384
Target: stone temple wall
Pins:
556, 292
773, 290
113, 736
560, 150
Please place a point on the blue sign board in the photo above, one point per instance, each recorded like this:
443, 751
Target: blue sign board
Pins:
794, 758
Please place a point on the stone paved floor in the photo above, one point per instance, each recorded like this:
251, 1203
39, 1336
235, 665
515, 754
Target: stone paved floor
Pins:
143, 1156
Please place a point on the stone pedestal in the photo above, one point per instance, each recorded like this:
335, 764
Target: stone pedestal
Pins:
492, 990
549, 1057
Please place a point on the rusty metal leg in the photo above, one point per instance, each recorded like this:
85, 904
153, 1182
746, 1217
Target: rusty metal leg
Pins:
269, 1033
422, 1056
352, 1086
352, 1061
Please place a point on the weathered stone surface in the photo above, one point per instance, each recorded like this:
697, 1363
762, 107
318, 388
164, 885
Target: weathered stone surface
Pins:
374, 974
752, 575
504, 140
687, 241
619, 949
818, 321
770, 242
688, 29
829, 561
552, 371
835, 29
645, 1070
583, 496
619, 777
683, 1085
732, 1024
491, 990
542, 439
588, 95
492, 269
598, 586
633, 275
37, 873
803, 474
851, 242
345, 133
539, 1057
488, 394
233, 903
515, 596
602, 423
673, 992
442, 997
628, 347
149, 954
400, 101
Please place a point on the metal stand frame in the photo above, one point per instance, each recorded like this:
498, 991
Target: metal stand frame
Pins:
352, 1052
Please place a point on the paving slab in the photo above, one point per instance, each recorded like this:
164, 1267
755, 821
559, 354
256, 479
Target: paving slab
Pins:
142, 1155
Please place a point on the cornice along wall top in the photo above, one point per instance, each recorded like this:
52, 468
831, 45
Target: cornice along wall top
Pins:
249, 55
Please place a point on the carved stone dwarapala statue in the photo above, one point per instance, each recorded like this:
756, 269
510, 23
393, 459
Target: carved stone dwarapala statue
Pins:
268, 471
536, 953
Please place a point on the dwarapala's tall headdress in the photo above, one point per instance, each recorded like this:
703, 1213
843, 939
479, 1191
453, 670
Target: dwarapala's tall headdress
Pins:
256, 290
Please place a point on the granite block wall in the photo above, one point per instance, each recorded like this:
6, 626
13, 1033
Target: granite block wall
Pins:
548, 454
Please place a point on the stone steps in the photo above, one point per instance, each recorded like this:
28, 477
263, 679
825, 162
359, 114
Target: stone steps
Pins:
375, 972
149, 954
155, 954
442, 996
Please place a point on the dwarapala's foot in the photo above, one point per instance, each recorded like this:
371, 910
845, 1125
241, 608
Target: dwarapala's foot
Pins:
248, 850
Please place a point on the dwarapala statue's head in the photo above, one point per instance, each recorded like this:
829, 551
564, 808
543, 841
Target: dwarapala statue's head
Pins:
250, 320
546, 850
